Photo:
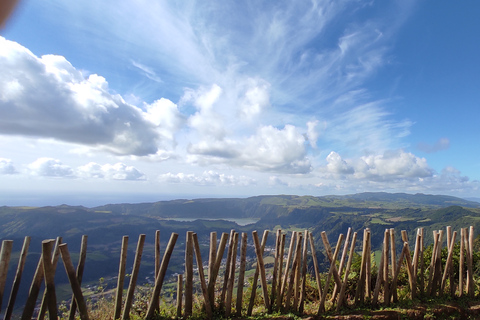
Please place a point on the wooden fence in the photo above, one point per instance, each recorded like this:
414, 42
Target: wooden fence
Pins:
283, 290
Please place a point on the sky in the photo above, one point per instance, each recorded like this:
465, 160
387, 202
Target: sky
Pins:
135, 101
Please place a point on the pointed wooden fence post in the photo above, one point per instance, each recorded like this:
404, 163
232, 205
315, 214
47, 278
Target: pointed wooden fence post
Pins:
386, 272
341, 296
54, 262
5, 255
133, 278
368, 266
161, 275
189, 274
212, 254
255, 276
18, 277
231, 277
241, 274
360, 291
227, 268
201, 275
461, 262
280, 271
49, 272
342, 262
216, 267
121, 278
448, 265
296, 281
393, 255
471, 239
291, 279
275, 267
315, 265
287, 265
304, 271
259, 252
321, 308
79, 274
179, 295
35, 286
74, 283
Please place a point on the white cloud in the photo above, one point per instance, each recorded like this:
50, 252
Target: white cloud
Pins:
270, 149
390, 166
255, 99
118, 171
312, 133
47, 97
208, 178
6, 166
49, 167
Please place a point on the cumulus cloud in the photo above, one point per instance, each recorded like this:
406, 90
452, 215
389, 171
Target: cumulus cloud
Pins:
441, 144
48, 97
208, 178
118, 171
49, 167
6, 166
270, 149
255, 99
389, 166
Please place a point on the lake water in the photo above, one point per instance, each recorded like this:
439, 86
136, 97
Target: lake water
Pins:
240, 221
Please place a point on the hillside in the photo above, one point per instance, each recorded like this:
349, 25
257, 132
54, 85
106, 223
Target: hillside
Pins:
105, 225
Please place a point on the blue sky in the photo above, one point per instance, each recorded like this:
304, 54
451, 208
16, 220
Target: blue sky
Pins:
114, 101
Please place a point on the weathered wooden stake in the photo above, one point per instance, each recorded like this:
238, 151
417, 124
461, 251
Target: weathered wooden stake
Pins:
216, 267
393, 255
296, 281
35, 286
201, 275
161, 275
280, 270
189, 274
263, 278
16, 281
341, 296
360, 292
337, 288
448, 265
231, 277
121, 278
321, 308
461, 262
386, 272
287, 265
291, 281
273, 294
179, 295
255, 276
471, 239
74, 283
133, 279
79, 274
5, 255
304, 271
55, 257
241, 274
368, 273
227, 268
212, 254
49, 272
